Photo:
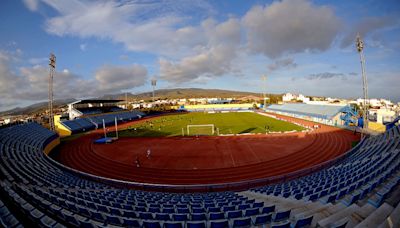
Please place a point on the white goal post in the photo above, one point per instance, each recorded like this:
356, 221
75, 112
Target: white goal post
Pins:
200, 126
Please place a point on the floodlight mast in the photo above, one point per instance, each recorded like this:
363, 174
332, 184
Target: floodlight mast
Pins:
52, 66
126, 100
360, 47
153, 84
264, 78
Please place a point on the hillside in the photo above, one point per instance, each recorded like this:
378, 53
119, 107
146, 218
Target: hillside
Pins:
183, 93
162, 93
35, 108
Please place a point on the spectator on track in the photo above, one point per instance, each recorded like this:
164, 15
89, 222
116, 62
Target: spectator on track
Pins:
137, 162
148, 154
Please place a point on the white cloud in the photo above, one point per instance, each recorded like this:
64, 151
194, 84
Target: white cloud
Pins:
342, 85
83, 47
117, 78
214, 59
124, 57
286, 63
290, 26
367, 26
189, 51
31, 83
129, 23
38, 61
32, 5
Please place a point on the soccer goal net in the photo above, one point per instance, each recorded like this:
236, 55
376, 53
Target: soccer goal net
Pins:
200, 129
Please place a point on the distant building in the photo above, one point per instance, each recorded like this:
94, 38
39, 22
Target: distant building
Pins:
382, 115
250, 98
288, 97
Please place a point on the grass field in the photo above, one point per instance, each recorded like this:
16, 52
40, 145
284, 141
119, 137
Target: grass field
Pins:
227, 123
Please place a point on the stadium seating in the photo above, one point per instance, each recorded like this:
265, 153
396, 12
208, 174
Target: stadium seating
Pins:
363, 188
93, 122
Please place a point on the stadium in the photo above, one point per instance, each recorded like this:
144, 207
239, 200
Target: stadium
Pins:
297, 173
90, 156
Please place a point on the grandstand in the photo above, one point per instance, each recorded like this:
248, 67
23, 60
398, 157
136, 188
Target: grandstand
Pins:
358, 189
95, 121
218, 107
336, 115
83, 108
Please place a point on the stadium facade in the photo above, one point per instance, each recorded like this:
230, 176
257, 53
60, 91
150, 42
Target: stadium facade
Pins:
334, 115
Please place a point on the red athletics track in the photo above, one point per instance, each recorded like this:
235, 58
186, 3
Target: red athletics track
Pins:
206, 160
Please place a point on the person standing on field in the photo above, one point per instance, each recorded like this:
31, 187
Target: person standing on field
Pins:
148, 153
137, 162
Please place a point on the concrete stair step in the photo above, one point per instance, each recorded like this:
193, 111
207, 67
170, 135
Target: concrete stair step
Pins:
310, 210
281, 203
338, 215
364, 212
326, 212
377, 217
393, 220
394, 197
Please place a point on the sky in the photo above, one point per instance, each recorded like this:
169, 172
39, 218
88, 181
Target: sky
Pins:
106, 47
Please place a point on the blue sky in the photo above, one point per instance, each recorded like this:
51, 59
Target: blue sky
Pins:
105, 47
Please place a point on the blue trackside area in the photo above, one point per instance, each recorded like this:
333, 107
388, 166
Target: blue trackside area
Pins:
95, 122
363, 184
104, 140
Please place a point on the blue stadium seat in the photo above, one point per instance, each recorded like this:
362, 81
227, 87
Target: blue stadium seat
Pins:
281, 225
146, 215
214, 209
196, 224
223, 223
180, 217
303, 222
217, 215
268, 209
168, 210
262, 219
198, 216
234, 214
281, 215
198, 210
131, 222
162, 216
113, 220
253, 211
241, 222
170, 224
151, 224
154, 209
183, 210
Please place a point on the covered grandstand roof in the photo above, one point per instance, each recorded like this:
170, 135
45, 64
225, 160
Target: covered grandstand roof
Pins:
320, 111
90, 101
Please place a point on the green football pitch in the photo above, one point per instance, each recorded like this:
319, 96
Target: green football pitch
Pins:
224, 123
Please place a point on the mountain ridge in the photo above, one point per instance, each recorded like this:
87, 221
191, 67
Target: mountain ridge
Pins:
175, 93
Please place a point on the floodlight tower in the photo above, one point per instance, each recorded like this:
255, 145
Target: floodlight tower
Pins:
52, 66
153, 84
360, 47
126, 100
264, 78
